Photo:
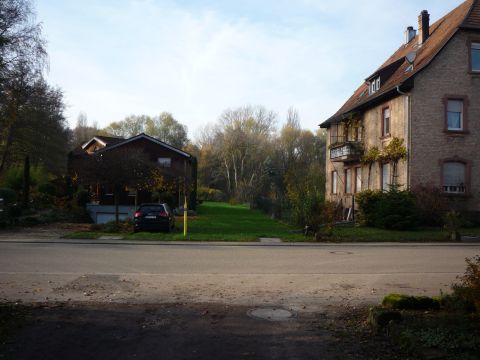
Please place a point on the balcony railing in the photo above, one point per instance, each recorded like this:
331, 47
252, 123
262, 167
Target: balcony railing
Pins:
347, 151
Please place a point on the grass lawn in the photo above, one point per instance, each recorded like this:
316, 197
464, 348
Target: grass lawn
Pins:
367, 234
224, 222
217, 222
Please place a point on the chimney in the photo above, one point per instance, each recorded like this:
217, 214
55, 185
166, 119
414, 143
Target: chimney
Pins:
423, 27
410, 34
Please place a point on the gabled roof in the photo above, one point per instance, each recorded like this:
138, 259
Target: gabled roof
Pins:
104, 140
149, 138
466, 15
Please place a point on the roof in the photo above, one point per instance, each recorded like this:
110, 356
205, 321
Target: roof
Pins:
104, 140
149, 138
466, 15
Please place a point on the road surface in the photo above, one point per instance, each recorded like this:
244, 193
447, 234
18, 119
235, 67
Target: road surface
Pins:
299, 277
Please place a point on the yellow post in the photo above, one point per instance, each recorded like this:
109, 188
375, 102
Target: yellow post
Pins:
185, 216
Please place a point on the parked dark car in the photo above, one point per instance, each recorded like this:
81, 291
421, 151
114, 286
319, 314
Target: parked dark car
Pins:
154, 217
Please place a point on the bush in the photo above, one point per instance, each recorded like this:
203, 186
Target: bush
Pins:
47, 189
13, 177
392, 210
210, 194
82, 197
453, 223
367, 204
379, 317
9, 196
431, 204
165, 197
404, 302
468, 289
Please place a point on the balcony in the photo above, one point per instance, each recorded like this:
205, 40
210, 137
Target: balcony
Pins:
348, 151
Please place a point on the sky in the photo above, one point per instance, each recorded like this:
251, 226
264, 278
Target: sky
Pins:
195, 59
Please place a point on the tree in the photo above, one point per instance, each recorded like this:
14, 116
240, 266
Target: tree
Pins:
26, 183
243, 144
83, 131
130, 126
165, 128
31, 112
36, 127
162, 127
21, 42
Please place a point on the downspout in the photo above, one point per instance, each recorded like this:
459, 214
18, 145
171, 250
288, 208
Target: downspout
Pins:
408, 131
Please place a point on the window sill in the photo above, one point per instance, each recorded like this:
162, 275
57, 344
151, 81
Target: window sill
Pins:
456, 132
385, 137
474, 73
458, 195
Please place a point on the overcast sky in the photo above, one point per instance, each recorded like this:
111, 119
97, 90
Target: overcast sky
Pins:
113, 58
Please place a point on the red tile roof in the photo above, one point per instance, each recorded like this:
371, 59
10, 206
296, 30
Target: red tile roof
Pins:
466, 15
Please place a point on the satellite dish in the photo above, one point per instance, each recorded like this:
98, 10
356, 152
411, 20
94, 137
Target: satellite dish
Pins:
411, 56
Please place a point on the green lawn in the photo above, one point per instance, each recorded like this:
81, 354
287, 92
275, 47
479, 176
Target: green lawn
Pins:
224, 222
218, 222
368, 234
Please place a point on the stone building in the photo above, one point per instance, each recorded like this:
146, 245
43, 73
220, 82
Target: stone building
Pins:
426, 94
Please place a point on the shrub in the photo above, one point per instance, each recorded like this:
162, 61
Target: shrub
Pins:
396, 211
210, 194
430, 203
469, 287
82, 198
169, 198
329, 213
367, 204
9, 196
47, 189
453, 223
393, 210
379, 317
13, 177
404, 302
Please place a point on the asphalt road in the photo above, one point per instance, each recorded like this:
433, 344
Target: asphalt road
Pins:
302, 278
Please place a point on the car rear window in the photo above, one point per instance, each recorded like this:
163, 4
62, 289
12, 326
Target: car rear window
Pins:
152, 208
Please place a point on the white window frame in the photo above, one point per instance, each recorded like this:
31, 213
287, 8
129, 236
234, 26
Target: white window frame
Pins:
384, 118
386, 178
348, 181
462, 107
455, 186
358, 179
475, 47
334, 182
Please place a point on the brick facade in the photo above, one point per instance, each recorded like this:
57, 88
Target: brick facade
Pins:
419, 83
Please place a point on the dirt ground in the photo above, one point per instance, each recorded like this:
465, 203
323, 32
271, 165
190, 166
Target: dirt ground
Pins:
190, 331
49, 231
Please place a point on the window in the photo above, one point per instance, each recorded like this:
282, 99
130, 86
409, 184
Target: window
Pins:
348, 181
386, 177
454, 177
334, 182
374, 86
358, 179
386, 122
165, 162
454, 114
475, 57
